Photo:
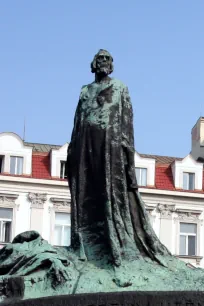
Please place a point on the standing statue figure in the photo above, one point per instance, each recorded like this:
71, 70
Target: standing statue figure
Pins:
106, 206
113, 245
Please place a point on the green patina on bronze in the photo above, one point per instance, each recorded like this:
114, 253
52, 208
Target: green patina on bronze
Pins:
113, 245
49, 271
106, 204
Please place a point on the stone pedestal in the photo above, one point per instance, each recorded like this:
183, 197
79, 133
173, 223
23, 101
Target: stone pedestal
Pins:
183, 298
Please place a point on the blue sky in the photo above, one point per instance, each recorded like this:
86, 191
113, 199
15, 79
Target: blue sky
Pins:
158, 47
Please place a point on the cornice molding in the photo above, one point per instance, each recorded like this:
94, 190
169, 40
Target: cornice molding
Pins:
149, 208
187, 215
61, 204
8, 200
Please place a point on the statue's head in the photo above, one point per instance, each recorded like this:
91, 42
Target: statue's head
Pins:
102, 63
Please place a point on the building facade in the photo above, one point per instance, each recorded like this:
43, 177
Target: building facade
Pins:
34, 194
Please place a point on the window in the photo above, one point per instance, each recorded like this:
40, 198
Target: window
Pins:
6, 216
141, 175
1, 163
188, 237
16, 165
63, 170
188, 181
62, 229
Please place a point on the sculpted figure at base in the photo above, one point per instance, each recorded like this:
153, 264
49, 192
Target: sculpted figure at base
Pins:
105, 200
38, 254
41, 264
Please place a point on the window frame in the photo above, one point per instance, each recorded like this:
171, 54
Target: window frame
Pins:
63, 170
189, 173
4, 220
58, 205
62, 227
16, 164
2, 157
186, 234
139, 182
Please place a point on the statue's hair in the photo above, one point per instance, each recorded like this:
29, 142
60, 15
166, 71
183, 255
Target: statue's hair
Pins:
93, 63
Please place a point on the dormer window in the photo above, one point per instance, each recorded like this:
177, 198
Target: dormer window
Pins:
63, 170
141, 175
188, 181
187, 174
16, 165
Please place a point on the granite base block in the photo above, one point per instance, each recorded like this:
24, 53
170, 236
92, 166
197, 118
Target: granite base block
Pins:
182, 298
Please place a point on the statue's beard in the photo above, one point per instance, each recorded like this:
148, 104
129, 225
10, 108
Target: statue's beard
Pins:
103, 69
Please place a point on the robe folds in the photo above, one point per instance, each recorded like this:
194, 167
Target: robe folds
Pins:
105, 203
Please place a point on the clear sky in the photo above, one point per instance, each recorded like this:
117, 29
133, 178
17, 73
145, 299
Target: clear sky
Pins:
46, 47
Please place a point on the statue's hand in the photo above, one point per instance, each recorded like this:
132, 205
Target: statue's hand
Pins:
58, 273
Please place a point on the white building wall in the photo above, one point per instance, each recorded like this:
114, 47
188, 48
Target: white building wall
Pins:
188, 164
12, 145
56, 157
22, 213
149, 164
172, 207
32, 207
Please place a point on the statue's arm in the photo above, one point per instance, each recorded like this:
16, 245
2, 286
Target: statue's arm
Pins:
128, 139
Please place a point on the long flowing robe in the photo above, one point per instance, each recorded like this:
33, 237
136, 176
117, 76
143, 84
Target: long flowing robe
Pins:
105, 203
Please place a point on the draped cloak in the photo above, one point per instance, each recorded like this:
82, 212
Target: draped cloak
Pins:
106, 206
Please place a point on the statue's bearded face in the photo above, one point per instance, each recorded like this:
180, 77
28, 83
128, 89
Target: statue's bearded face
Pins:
103, 63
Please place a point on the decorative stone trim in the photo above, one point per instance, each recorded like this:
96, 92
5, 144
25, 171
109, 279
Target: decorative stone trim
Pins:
37, 199
61, 204
8, 201
165, 210
188, 215
149, 210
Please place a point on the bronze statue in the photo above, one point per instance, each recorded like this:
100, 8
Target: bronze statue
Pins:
105, 200
113, 245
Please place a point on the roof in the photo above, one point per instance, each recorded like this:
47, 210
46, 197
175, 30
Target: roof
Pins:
164, 178
161, 159
41, 166
40, 147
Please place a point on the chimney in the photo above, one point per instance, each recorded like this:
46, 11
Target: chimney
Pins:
197, 140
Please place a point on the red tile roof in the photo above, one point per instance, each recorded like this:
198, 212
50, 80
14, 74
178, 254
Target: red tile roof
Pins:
163, 172
164, 178
41, 166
